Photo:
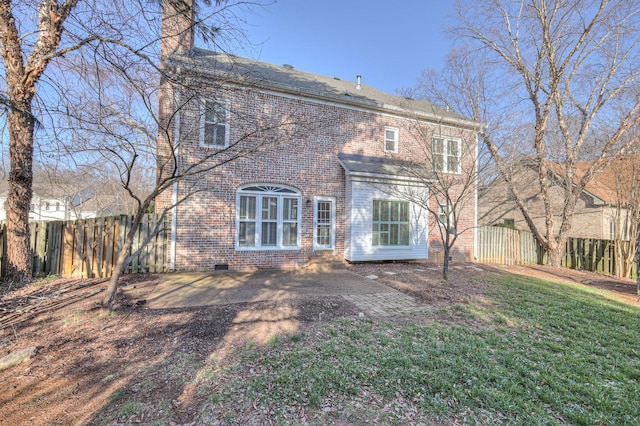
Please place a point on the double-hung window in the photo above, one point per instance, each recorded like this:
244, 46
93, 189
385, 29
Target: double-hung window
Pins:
214, 124
390, 223
390, 139
268, 217
445, 214
446, 154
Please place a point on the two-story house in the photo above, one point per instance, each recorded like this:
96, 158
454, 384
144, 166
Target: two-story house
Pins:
297, 165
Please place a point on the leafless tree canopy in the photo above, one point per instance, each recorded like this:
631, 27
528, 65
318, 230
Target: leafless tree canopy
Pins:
556, 81
80, 78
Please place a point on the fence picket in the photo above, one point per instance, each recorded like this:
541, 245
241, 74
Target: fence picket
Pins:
89, 247
512, 247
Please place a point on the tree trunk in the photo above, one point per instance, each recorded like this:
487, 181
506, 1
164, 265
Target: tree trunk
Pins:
19, 259
555, 255
445, 264
638, 267
112, 288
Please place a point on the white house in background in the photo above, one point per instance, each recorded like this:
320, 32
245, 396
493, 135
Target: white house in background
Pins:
45, 209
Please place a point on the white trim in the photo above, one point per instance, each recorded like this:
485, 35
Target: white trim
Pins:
227, 106
396, 138
259, 194
332, 243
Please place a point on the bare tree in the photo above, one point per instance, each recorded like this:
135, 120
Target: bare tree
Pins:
444, 180
30, 39
40, 41
137, 115
626, 177
564, 81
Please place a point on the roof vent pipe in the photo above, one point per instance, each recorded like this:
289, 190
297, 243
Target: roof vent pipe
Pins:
358, 87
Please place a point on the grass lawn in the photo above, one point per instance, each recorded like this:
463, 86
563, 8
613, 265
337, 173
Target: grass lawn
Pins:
532, 352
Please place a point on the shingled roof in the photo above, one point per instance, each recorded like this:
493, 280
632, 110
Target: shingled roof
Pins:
287, 79
604, 185
361, 165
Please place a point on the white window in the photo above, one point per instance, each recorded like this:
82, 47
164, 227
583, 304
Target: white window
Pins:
214, 124
268, 217
445, 214
390, 139
324, 220
446, 155
390, 223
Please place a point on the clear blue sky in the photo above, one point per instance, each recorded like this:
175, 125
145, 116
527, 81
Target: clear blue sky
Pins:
388, 42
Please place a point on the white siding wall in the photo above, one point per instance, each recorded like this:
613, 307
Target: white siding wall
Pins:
359, 208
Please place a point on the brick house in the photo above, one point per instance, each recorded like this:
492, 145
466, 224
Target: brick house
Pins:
298, 165
597, 214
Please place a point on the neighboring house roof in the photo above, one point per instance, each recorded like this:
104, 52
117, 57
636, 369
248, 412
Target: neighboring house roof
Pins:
82, 196
288, 79
604, 185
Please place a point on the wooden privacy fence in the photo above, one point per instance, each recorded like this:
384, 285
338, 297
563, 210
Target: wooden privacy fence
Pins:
593, 255
512, 247
89, 248
507, 246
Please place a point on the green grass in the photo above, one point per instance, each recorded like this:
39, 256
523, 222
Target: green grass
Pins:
545, 353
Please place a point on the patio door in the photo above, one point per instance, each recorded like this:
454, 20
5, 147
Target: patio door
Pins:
324, 223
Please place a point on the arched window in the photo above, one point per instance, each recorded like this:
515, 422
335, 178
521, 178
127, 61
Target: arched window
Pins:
268, 217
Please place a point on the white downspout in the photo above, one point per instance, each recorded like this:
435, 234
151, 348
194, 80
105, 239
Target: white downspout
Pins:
174, 194
475, 218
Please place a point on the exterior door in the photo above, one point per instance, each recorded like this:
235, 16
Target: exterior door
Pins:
324, 223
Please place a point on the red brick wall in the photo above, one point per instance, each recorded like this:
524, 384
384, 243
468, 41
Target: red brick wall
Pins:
303, 156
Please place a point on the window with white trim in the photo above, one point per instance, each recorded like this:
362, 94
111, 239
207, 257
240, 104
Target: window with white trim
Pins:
390, 139
445, 213
214, 124
324, 223
390, 223
446, 154
268, 217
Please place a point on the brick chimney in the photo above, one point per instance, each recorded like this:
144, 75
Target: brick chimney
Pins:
177, 27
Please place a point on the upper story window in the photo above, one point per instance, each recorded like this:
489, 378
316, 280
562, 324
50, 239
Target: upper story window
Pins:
214, 124
268, 217
445, 213
446, 154
390, 139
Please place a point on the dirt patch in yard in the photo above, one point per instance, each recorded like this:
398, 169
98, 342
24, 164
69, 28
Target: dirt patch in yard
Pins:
139, 365
91, 364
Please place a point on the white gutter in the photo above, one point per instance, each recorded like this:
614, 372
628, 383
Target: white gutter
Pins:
174, 194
